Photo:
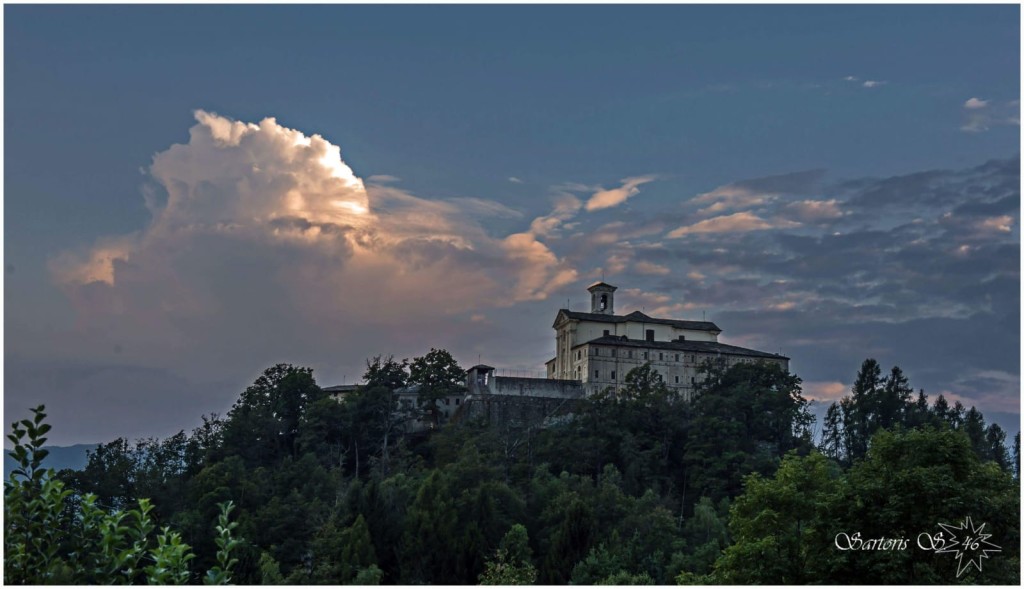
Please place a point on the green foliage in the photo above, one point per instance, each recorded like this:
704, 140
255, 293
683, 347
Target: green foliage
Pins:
512, 564
637, 487
438, 375
746, 418
878, 403
49, 539
785, 527
270, 570
226, 543
776, 525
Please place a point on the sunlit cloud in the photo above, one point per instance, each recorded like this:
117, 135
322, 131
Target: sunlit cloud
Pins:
810, 211
734, 223
603, 199
828, 391
261, 224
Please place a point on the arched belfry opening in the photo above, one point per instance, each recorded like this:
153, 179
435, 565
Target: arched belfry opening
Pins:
602, 298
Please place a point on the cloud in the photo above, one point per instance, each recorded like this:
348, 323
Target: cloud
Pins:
729, 198
645, 267
603, 199
566, 207
851, 78
514, 180
874, 83
267, 236
734, 223
828, 391
982, 115
812, 211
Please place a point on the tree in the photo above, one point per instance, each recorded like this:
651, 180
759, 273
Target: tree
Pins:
1016, 455
263, 424
512, 563
910, 482
995, 447
438, 376
746, 418
779, 526
47, 540
860, 416
832, 434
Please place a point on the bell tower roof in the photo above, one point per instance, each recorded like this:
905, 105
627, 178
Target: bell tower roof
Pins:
602, 298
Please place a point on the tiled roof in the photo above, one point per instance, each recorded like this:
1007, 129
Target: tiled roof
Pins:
638, 317
683, 346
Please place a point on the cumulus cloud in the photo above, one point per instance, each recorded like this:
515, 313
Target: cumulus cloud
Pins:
514, 180
603, 199
266, 234
975, 103
734, 223
981, 115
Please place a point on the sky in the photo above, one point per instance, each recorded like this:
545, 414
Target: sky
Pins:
195, 193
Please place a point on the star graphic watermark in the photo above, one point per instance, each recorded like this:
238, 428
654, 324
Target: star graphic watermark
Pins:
967, 541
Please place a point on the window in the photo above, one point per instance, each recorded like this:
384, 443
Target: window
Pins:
693, 380
613, 375
650, 335
629, 353
677, 357
614, 352
577, 354
645, 355
457, 401
597, 374
661, 356
604, 302
607, 333
677, 380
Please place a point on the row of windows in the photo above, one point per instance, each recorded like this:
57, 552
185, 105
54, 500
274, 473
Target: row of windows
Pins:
613, 352
597, 376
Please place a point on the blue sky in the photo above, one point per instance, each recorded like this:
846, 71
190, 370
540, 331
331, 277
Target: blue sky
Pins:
832, 140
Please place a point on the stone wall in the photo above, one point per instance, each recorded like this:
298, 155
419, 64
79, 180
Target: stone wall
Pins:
517, 412
535, 387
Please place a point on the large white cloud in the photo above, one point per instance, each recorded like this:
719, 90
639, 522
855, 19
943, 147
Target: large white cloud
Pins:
261, 235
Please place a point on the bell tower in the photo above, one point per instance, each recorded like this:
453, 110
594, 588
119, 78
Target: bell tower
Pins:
602, 298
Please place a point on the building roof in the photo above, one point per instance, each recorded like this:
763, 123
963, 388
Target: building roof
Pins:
341, 388
638, 317
683, 346
602, 284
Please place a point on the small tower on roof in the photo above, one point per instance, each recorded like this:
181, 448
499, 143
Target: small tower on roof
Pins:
602, 298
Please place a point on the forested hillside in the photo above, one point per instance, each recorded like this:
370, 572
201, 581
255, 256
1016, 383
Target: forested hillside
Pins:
637, 488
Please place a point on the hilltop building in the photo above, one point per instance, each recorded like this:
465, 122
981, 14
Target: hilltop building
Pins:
599, 348
593, 351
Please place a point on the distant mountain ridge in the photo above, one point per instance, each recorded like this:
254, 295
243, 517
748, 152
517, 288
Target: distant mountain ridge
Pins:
60, 457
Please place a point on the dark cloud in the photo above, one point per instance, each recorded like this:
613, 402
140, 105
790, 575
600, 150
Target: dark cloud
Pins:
795, 183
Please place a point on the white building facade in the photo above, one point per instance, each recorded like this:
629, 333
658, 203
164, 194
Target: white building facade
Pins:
599, 348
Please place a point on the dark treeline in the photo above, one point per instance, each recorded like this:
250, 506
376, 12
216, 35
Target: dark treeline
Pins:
639, 487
